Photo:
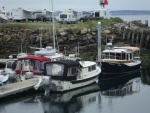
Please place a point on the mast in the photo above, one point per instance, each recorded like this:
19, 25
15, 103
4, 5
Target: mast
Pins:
41, 38
99, 42
53, 24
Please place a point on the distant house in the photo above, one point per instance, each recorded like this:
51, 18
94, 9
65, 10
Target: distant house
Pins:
2, 18
8, 14
21, 14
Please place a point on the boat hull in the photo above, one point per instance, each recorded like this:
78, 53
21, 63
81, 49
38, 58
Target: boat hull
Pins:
65, 86
114, 69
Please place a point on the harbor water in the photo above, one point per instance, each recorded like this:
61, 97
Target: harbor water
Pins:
123, 94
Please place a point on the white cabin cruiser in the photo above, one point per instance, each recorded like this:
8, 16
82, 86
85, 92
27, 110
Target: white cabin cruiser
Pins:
69, 74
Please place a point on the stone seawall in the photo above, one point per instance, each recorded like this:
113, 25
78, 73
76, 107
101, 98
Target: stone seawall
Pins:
11, 39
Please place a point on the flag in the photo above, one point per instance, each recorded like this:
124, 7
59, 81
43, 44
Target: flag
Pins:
105, 2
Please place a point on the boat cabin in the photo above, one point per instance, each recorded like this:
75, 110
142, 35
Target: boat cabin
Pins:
62, 70
9, 65
121, 53
33, 64
49, 52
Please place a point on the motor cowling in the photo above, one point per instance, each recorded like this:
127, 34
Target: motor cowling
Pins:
13, 76
29, 75
46, 80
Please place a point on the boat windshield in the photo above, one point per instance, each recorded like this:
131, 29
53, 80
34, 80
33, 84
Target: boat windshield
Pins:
9, 65
55, 69
117, 56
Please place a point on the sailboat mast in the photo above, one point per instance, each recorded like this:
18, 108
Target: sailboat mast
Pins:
53, 24
99, 42
41, 38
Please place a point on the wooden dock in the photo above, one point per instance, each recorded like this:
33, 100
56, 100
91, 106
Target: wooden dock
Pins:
3, 61
18, 87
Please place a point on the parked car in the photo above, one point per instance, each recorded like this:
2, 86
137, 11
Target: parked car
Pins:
43, 17
68, 18
88, 17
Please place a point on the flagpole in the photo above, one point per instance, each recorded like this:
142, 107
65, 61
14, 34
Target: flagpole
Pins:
53, 24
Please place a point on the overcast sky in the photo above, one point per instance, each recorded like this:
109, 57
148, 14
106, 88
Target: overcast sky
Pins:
78, 5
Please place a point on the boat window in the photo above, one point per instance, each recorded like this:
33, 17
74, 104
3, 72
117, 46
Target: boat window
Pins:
91, 68
123, 56
9, 64
2, 66
14, 65
118, 56
112, 55
37, 65
31, 64
19, 65
42, 65
26, 62
73, 71
129, 56
26, 65
55, 69
108, 56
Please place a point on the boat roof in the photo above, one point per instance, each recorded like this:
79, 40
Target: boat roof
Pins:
129, 48
87, 63
126, 49
39, 58
68, 63
116, 51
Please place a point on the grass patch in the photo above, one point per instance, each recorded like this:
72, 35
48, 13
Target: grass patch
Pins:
49, 25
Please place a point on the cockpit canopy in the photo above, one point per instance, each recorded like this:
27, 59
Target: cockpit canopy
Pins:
62, 70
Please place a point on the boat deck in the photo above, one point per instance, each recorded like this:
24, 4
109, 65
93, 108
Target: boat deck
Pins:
18, 87
3, 61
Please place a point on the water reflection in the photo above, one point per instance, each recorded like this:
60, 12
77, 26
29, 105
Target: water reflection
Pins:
145, 76
70, 102
85, 100
121, 85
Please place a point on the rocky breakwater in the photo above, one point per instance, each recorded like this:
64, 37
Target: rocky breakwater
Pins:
12, 39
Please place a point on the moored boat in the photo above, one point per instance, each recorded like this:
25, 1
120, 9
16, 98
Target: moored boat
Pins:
68, 75
120, 60
33, 64
3, 78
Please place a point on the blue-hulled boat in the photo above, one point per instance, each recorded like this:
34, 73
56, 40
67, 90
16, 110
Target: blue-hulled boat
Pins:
120, 60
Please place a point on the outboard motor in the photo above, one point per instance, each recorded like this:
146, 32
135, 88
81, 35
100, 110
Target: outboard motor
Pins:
46, 82
12, 77
29, 75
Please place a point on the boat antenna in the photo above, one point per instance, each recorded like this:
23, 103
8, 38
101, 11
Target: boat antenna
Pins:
78, 48
53, 24
41, 38
111, 39
57, 42
21, 48
99, 42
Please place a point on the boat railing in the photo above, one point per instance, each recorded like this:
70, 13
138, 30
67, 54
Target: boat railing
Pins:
136, 58
112, 57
